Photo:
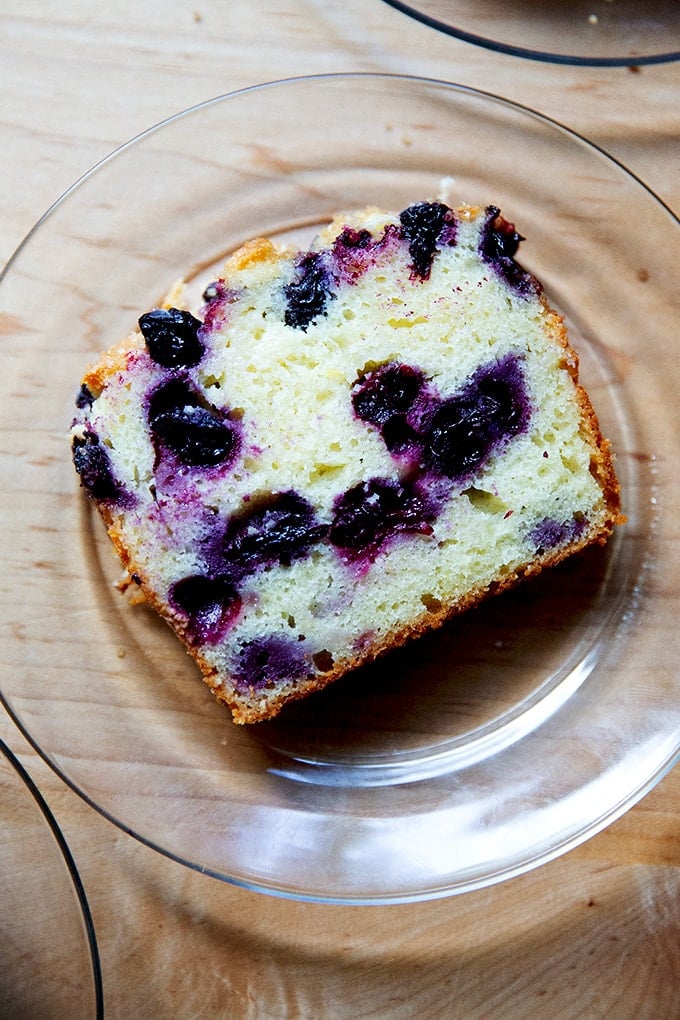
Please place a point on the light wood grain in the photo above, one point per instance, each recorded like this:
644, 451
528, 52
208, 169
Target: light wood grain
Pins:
593, 934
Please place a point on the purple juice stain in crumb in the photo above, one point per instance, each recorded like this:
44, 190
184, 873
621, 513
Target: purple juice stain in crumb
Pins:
550, 534
218, 299
354, 251
308, 293
277, 531
172, 337
197, 433
372, 512
209, 604
449, 437
268, 661
427, 226
92, 462
498, 246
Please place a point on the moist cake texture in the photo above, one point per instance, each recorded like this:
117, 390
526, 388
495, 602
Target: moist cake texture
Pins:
342, 447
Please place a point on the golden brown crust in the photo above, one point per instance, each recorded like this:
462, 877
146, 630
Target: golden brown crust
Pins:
111, 361
602, 465
259, 250
428, 621
244, 713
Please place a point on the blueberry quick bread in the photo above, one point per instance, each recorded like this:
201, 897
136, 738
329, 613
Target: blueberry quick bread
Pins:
339, 448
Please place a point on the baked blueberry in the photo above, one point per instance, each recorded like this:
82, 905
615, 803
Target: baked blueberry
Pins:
350, 239
209, 604
91, 461
278, 529
307, 294
386, 392
462, 430
422, 225
197, 433
550, 534
383, 397
172, 337
84, 398
267, 661
498, 245
371, 511
352, 252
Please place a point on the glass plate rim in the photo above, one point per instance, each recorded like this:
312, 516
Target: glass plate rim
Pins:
529, 54
309, 78
501, 875
71, 866
282, 892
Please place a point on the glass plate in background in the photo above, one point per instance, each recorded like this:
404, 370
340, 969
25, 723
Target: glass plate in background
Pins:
50, 963
593, 32
472, 755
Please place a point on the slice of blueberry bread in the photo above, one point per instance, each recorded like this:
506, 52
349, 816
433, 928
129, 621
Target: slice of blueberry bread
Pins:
342, 447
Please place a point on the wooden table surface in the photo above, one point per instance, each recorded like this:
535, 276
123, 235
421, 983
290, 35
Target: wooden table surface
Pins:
595, 933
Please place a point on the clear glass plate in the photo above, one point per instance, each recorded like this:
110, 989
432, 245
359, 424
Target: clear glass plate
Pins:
474, 754
592, 32
50, 963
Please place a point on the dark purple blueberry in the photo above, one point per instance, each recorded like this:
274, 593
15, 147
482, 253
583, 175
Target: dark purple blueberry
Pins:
352, 238
498, 245
500, 237
268, 661
169, 396
277, 530
457, 439
400, 437
355, 250
550, 534
502, 382
383, 397
171, 336
196, 436
91, 461
386, 391
307, 294
462, 430
372, 511
196, 432
209, 603
422, 226
85, 398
